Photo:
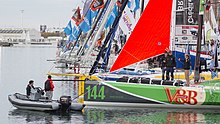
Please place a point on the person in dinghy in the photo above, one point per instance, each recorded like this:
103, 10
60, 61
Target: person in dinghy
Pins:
48, 87
30, 88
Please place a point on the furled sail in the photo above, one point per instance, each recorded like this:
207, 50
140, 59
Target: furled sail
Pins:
150, 37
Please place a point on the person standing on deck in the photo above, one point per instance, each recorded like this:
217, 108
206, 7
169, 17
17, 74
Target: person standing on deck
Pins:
213, 69
170, 65
186, 67
48, 87
163, 64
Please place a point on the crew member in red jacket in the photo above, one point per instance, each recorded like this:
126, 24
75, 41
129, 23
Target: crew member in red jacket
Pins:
48, 87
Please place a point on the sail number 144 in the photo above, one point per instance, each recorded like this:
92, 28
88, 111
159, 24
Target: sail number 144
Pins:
95, 92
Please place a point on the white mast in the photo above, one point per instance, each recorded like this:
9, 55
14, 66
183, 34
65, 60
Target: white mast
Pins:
173, 26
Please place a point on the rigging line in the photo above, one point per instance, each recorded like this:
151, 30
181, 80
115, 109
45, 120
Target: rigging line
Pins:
51, 68
131, 55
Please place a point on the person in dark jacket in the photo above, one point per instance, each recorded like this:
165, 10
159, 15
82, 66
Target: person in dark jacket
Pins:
186, 67
48, 87
29, 87
163, 64
170, 65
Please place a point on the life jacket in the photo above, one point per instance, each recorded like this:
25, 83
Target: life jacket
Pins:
51, 85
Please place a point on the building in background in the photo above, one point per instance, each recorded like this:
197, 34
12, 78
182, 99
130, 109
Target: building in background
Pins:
26, 36
20, 36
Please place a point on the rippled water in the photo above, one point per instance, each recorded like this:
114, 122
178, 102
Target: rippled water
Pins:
20, 64
117, 116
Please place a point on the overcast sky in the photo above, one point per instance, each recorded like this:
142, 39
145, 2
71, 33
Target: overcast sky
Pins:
53, 13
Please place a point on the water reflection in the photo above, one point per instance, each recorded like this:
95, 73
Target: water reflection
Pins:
150, 116
117, 115
26, 116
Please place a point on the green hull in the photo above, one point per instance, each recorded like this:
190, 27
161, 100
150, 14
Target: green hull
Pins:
145, 95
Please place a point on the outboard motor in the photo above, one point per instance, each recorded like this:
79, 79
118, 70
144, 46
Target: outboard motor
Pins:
65, 103
40, 90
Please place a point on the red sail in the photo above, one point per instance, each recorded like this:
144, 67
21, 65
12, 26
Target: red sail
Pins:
150, 37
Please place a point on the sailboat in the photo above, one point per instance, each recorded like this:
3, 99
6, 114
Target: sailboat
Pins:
150, 37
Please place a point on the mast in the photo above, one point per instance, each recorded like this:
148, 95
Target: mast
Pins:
107, 54
198, 49
173, 26
142, 6
110, 33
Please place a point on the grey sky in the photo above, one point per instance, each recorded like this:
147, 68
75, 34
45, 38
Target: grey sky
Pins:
53, 13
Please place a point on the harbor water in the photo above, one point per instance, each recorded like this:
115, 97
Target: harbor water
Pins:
20, 64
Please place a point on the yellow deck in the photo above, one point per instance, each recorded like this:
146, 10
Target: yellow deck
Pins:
206, 76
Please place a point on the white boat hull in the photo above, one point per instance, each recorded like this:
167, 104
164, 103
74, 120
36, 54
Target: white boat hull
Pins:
33, 105
45, 105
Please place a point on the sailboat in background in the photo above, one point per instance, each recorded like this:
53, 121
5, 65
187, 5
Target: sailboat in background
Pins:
80, 30
150, 37
83, 39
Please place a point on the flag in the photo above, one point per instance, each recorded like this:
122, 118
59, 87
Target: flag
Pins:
97, 4
77, 16
134, 5
91, 14
112, 16
213, 20
68, 28
75, 33
86, 6
71, 38
209, 32
85, 25
127, 21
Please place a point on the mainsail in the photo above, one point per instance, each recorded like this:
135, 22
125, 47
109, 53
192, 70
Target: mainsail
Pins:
150, 37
